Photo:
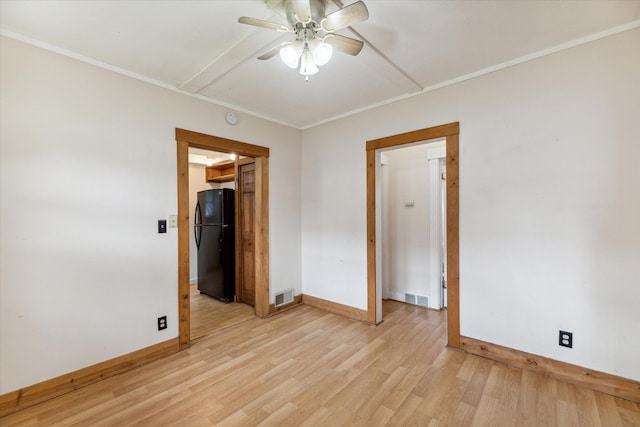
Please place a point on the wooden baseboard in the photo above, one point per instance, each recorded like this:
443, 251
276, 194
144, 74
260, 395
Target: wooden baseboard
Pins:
296, 301
38, 393
334, 307
600, 381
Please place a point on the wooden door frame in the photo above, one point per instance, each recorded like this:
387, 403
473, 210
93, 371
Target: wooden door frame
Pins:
451, 132
184, 140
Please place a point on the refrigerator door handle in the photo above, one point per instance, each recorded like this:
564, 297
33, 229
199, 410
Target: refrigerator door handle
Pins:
197, 230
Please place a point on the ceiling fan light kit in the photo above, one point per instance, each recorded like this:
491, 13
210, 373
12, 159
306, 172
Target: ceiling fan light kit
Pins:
315, 39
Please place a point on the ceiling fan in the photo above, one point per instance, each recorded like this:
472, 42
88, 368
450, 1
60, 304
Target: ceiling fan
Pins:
314, 31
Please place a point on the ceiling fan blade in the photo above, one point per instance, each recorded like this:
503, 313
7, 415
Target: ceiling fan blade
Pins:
273, 51
263, 24
345, 17
344, 44
302, 9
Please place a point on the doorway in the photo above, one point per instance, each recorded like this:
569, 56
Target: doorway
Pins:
374, 289
260, 221
211, 170
412, 218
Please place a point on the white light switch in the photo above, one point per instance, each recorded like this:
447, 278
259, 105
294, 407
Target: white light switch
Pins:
173, 221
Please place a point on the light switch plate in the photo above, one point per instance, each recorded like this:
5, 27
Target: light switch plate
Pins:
173, 221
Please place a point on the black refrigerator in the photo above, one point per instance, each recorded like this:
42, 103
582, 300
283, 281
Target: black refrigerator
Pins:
215, 239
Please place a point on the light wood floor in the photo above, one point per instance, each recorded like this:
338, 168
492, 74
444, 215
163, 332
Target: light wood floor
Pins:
209, 314
309, 367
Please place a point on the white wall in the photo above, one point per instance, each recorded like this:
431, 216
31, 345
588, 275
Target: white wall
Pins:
409, 251
87, 167
549, 202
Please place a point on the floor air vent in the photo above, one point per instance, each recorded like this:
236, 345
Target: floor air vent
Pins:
420, 300
284, 297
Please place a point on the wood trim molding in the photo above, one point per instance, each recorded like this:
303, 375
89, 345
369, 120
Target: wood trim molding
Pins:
41, 392
453, 242
450, 131
334, 307
297, 300
186, 139
210, 142
184, 279
262, 237
415, 136
600, 381
371, 237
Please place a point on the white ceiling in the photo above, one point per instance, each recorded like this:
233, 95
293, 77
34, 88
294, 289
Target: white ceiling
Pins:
411, 46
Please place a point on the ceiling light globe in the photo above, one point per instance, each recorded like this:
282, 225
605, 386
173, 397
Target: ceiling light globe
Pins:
289, 56
323, 53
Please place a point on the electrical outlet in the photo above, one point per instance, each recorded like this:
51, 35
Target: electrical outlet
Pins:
565, 339
162, 323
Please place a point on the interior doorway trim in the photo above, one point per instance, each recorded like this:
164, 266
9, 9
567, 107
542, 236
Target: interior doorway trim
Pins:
451, 132
186, 139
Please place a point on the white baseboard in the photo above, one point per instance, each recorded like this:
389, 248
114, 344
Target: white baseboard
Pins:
398, 296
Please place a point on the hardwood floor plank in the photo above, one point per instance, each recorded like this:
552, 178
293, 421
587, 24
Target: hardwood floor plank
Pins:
361, 389
478, 380
629, 418
379, 418
567, 414
280, 416
363, 357
321, 388
608, 410
237, 418
510, 393
402, 391
496, 380
406, 411
197, 409
463, 415
321, 417
587, 407
485, 411
546, 407
368, 410
526, 412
